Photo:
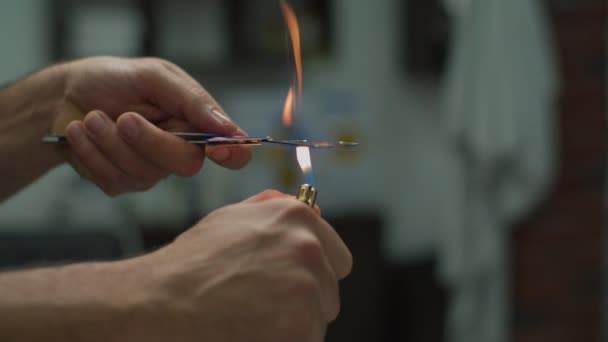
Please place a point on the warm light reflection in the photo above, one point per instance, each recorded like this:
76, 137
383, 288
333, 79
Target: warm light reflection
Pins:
288, 108
294, 33
303, 153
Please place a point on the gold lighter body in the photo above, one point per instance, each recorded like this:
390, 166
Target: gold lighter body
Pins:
307, 194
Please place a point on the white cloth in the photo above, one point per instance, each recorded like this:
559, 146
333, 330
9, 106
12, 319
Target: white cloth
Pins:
498, 103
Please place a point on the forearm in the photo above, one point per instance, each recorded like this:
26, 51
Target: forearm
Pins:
83, 302
27, 108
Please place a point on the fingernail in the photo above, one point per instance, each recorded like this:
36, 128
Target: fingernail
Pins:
221, 118
95, 123
74, 133
128, 129
220, 154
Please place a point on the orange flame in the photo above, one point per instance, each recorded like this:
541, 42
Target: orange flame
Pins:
288, 108
303, 153
294, 95
294, 32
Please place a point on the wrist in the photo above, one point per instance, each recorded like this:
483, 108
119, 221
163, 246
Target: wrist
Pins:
81, 302
164, 299
28, 109
96, 302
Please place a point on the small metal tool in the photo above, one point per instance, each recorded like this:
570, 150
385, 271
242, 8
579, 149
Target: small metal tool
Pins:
214, 139
307, 194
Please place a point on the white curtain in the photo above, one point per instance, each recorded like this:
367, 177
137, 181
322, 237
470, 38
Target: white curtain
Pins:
498, 101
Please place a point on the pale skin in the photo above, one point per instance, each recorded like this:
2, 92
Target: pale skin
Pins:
265, 269
136, 100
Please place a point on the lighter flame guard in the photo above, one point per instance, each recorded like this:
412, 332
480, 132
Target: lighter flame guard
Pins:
307, 194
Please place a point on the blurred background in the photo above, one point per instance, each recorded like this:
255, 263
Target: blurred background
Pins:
475, 206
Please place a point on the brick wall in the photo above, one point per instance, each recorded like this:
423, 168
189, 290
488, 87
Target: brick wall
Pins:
557, 251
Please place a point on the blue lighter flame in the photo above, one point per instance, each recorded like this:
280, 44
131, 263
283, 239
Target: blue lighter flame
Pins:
309, 177
307, 173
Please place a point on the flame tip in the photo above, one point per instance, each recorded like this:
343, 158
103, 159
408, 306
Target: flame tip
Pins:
288, 108
295, 92
303, 155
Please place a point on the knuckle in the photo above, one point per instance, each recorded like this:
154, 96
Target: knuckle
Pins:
265, 196
294, 210
270, 193
267, 235
198, 98
155, 61
126, 114
150, 67
168, 64
200, 93
307, 248
90, 120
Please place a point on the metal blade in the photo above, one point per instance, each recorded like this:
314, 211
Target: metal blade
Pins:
214, 139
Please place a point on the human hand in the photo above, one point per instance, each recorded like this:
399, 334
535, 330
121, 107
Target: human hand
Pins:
265, 269
117, 112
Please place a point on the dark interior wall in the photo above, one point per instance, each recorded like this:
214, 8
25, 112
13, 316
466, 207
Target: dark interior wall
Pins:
557, 252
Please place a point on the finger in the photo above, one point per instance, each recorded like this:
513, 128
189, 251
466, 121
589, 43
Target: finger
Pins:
102, 131
230, 156
176, 69
164, 149
314, 258
176, 125
100, 169
183, 98
79, 167
186, 78
148, 110
270, 194
337, 252
266, 195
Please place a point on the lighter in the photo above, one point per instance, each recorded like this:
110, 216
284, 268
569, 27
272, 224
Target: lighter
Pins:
307, 194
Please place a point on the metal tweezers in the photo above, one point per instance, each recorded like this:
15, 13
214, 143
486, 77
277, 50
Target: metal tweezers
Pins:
214, 139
